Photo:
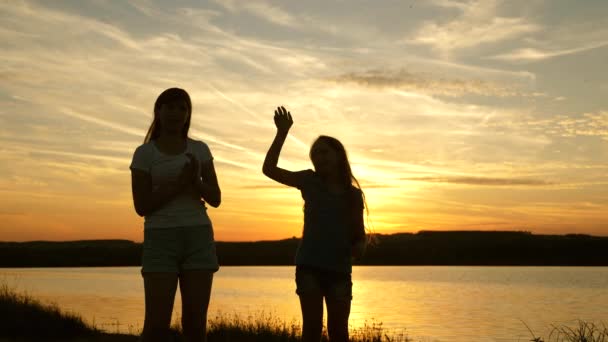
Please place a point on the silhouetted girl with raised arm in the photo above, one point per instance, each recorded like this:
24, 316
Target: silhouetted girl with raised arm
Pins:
172, 178
334, 231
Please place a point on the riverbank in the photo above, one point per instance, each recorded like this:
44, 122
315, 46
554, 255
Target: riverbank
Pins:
23, 318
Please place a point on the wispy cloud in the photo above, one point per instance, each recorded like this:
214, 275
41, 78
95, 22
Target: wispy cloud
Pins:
594, 124
534, 54
481, 181
261, 9
424, 83
52, 19
478, 23
105, 123
589, 124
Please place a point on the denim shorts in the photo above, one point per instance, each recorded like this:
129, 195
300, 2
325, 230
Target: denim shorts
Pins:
178, 249
329, 284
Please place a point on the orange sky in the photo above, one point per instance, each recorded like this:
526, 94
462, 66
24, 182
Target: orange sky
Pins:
456, 115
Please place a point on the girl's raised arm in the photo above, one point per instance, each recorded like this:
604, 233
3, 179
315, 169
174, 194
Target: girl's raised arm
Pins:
283, 121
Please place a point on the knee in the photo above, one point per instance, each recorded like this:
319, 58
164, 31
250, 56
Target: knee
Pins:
191, 324
312, 322
312, 325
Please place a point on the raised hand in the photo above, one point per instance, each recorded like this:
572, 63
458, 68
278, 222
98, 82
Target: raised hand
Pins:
282, 119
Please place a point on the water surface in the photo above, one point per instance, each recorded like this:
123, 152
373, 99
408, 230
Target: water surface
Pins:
430, 303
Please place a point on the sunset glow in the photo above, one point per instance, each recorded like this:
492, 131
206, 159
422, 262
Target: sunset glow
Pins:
456, 115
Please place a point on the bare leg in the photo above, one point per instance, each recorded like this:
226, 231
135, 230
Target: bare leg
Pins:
337, 319
159, 290
312, 317
195, 287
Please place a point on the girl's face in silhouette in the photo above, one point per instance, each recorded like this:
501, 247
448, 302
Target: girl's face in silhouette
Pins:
173, 116
324, 158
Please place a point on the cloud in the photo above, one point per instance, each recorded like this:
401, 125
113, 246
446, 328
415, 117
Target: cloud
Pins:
424, 83
271, 13
79, 156
137, 133
593, 124
47, 19
589, 124
479, 23
482, 181
532, 54
261, 9
101, 122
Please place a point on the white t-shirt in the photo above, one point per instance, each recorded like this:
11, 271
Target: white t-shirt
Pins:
186, 209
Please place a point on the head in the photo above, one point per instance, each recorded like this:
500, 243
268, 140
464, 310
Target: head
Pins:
172, 113
330, 159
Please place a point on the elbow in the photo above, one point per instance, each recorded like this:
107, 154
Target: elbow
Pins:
140, 211
267, 171
140, 208
216, 200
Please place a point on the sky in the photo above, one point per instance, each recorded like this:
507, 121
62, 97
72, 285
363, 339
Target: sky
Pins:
456, 115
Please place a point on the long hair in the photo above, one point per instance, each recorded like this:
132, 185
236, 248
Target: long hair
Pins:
170, 95
345, 172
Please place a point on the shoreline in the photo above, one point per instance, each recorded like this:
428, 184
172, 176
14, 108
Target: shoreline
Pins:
426, 248
27, 319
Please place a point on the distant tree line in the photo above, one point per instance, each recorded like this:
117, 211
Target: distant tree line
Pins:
422, 248
488, 248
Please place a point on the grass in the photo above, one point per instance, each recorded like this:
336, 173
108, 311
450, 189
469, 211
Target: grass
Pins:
262, 327
582, 332
25, 319
266, 328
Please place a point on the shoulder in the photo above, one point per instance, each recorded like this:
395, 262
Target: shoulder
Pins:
144, 150
357, 195
307, 174
307, 178
143, 157
200, 149
197, 144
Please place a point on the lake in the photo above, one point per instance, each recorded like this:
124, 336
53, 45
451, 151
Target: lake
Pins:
432, 303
